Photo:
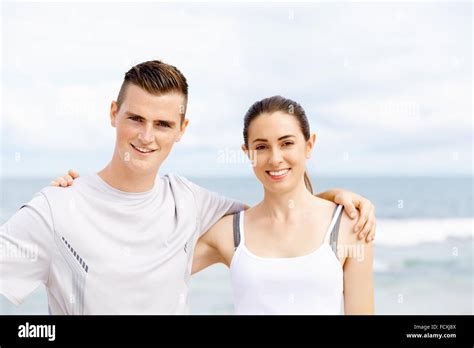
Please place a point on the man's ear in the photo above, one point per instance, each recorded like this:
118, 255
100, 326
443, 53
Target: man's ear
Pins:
113, 112
310, 145
184, 125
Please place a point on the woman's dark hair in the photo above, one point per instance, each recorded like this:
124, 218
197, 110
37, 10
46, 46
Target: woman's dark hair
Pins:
274, 104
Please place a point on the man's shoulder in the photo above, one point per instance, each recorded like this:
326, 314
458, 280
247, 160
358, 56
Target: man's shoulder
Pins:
180, 183
175, 178
59, 194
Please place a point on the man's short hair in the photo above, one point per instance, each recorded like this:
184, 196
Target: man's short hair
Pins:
156, 78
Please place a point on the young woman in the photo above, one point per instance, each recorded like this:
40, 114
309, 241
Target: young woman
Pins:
293, 253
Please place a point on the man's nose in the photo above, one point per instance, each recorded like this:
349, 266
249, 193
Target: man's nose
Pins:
146, 135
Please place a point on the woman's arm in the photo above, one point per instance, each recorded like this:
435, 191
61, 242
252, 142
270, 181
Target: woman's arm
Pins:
205, 254
358, 277
66, 180
214, 245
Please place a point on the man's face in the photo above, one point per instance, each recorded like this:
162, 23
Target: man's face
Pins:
147, 128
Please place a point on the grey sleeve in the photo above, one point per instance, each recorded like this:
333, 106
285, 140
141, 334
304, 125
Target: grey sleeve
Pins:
212, 206
25, 249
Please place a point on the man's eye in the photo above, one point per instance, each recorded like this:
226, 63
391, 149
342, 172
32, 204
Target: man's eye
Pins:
163, 124
134, 118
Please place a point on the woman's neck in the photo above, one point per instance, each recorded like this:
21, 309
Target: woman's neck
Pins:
285, 206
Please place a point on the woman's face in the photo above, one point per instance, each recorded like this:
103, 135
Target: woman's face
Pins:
278, 151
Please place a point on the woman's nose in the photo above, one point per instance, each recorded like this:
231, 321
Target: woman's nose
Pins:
276, 157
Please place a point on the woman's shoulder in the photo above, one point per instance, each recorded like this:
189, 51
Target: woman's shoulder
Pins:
252, 213
347, 235
325, 207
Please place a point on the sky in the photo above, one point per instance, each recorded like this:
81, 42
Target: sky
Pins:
387, 87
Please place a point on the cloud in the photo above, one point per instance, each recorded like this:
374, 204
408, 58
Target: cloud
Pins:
383, 80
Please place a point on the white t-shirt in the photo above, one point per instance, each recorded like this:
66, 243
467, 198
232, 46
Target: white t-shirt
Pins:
99, 250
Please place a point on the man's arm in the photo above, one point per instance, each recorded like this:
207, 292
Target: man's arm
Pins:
351, 201
211, 206
25, 250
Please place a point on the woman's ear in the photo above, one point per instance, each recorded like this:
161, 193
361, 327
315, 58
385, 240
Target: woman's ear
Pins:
251, 155
310, 145
244, 149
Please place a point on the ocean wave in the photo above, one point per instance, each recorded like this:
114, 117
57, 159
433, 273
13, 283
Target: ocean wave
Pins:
408, 232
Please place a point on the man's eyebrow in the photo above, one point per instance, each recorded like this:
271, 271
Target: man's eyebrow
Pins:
171, 123
280, 138
134, 115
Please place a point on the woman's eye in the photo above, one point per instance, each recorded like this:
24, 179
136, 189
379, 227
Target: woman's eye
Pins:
288, 143
260, 147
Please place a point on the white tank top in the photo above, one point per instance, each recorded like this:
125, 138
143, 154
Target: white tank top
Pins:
308, 284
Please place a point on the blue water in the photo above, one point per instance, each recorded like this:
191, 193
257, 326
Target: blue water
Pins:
423, 255
422, 197
448, 197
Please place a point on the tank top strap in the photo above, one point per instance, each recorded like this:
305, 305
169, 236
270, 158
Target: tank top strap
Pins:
333, 229
238, 220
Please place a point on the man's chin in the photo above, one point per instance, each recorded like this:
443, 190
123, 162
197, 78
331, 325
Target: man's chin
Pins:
142, 167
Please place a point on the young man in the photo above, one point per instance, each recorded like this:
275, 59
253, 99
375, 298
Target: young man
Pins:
121, 241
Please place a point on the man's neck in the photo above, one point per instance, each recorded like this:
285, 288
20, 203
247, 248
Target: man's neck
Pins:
125, 180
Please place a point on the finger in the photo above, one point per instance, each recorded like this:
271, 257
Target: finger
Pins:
365, 210
63, 183
58, 180
349, 208
73, 174
365, 231
369, 225
371, 235
68, 178
54, 183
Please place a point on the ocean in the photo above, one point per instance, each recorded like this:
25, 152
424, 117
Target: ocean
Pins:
423, 260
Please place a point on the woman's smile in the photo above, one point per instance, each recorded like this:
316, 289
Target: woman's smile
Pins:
278, 175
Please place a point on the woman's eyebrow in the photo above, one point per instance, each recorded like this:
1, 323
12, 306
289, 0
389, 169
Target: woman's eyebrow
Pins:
286, 137
280, 138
